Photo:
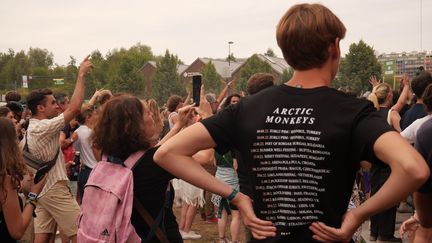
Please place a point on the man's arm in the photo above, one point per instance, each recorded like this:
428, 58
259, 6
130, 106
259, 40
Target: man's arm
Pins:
78, 94
175, 156
408, 172
404, 94
224, 92
94, 98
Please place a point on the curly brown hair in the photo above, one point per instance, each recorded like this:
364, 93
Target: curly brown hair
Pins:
11, 161
173, 101
119, 129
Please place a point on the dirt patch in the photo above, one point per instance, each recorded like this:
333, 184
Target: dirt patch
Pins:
208, 231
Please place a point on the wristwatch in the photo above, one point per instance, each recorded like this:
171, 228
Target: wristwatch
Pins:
32, 196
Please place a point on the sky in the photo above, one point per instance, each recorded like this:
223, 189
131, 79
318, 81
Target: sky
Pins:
199, 28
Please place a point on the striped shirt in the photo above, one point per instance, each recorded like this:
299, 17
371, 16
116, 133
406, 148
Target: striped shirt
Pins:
43, 143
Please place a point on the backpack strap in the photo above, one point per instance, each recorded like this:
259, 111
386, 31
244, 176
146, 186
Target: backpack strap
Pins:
130, 162
133, 159
149, 220
34, 162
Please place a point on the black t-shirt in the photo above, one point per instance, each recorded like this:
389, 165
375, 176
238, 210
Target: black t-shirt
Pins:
423, 144
150, 188
415, 112
303, 147
67, 130
243, 173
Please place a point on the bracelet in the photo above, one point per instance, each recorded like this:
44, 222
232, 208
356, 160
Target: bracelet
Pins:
232, 195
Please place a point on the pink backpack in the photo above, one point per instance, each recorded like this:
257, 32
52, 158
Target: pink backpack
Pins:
107, 203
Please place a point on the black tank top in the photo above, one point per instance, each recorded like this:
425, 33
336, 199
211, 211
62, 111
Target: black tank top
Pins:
4, 233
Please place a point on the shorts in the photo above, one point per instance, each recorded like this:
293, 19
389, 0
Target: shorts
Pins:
57, 205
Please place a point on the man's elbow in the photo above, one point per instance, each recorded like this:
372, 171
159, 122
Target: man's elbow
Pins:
160, 155
17, 234
420, 173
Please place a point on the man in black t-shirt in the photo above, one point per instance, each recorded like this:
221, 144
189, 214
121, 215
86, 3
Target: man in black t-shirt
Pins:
303, 142
417, 111
423, 197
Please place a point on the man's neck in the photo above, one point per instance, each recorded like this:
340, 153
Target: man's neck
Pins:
419, 101
39, 117
311, 78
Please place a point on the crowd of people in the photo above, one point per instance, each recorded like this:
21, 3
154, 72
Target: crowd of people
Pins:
291, 161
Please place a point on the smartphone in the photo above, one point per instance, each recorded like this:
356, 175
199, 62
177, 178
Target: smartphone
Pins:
41, 172
196, 89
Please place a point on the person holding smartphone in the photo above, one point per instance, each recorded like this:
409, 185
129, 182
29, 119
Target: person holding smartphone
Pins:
57, 204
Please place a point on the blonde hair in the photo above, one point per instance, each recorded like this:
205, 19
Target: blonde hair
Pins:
379, 94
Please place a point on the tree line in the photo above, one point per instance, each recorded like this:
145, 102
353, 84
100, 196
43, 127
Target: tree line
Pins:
119, 71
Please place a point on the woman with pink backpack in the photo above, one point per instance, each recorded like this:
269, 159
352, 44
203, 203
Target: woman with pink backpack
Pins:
128, 198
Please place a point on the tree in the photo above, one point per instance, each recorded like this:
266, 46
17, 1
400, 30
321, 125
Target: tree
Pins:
11, 73
128, 79
357, 66
270, 53
40, 58
231, 58
6, 60
253, 65
40, 62
98, 76
286, 75
120, 69
211, 78
167, 81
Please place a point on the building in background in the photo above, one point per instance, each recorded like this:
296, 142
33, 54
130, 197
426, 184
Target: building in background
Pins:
397, 64
226, 70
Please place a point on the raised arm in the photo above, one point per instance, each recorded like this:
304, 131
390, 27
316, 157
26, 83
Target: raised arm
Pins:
404, 94
224, 91
78, 94
183, 116
374, 81
94, 98
188, 98
395, 119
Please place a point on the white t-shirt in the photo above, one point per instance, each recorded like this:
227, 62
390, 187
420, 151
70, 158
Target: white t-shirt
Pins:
83, 145
411, 131
170, 118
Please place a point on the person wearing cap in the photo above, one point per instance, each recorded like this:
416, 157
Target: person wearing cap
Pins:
17, 109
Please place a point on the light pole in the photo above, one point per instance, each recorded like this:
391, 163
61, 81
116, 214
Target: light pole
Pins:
229, 52
421, 25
